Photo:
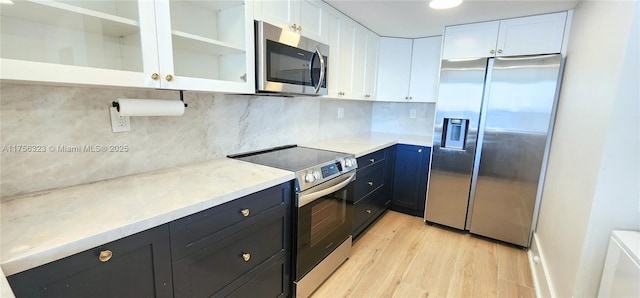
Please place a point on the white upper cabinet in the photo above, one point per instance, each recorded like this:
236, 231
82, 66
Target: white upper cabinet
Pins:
394, 69
307, 17
333, 76
371, 65
195, 45
539, 34
408, 69
352, 58
473, 40
206, 45
345, 62
425, 69
531, 35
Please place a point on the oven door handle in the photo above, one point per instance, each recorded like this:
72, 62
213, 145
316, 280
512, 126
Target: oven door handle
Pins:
308, 198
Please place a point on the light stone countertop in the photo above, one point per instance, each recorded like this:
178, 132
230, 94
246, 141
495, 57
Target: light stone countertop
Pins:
5, 289
364, 144
46, 226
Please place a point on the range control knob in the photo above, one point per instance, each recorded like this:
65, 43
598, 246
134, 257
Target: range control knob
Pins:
309, 178
317, 175
348, 163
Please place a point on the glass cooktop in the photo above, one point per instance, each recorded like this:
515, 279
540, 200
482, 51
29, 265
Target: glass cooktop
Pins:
291, 158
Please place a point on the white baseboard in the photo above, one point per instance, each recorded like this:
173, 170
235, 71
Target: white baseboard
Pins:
539, 271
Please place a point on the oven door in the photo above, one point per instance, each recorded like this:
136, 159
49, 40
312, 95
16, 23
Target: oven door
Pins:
324, 215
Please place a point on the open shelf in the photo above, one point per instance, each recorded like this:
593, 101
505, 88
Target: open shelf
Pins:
201, 44
67, 16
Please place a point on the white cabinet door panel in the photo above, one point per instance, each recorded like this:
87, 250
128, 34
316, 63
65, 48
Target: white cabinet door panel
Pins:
425, 68
541, 34
470, 41
394, 69
346, 64
279, 13
312, 20
371, 65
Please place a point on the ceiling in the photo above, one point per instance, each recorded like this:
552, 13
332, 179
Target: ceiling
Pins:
414, 18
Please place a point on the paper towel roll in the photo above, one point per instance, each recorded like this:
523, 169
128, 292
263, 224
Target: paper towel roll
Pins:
150, 107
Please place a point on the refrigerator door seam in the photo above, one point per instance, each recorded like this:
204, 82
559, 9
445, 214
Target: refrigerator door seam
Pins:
476, 160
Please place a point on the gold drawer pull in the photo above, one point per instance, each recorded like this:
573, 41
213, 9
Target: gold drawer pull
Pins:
105, 255
370, 183
246, 257
368, 211
245, 212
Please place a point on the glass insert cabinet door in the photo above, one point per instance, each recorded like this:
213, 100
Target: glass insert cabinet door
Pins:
187, 45
206, 45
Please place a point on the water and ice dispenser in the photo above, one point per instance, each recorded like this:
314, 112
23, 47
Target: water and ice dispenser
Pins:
454, 134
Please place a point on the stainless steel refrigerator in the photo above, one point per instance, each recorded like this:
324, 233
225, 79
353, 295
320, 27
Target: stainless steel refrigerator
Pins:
492, 133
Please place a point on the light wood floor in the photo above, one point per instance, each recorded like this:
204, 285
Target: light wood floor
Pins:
401, 256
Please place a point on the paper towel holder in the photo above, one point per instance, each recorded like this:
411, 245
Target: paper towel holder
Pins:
116, 105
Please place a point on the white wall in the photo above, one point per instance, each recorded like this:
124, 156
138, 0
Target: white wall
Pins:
592, 179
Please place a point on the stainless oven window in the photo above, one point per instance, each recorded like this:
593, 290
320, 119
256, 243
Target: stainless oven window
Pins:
323, 225
290, 65
326, 217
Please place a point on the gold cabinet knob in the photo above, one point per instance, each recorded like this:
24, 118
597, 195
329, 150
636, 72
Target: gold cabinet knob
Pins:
169, 78
155, 76
299, 28
372, 160
368, 211
105, 255
367, 96
370, 183
246, 257
245, 212
492, 52
294, 26
499, 51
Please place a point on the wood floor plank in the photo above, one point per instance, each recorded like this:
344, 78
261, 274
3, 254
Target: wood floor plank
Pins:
508, 289
512, 267
401, 256
476, 270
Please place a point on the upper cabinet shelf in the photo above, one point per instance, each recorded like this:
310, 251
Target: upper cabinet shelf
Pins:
185, 45
64, 15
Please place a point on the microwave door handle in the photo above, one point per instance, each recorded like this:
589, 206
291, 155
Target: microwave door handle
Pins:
322, 74
308, 198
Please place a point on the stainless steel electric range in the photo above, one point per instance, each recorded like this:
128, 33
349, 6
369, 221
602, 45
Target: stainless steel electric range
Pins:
324, 207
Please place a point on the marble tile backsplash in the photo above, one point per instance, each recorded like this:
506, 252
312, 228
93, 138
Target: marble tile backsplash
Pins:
67, 122
394, 117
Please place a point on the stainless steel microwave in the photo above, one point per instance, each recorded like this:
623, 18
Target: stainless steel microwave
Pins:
288, 63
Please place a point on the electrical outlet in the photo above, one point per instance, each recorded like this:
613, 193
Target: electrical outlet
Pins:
119, 123
340, 112
412, 113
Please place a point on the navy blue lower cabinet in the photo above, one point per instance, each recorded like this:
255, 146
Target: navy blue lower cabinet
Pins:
135, 266
373, 188
410, 179
240, 248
